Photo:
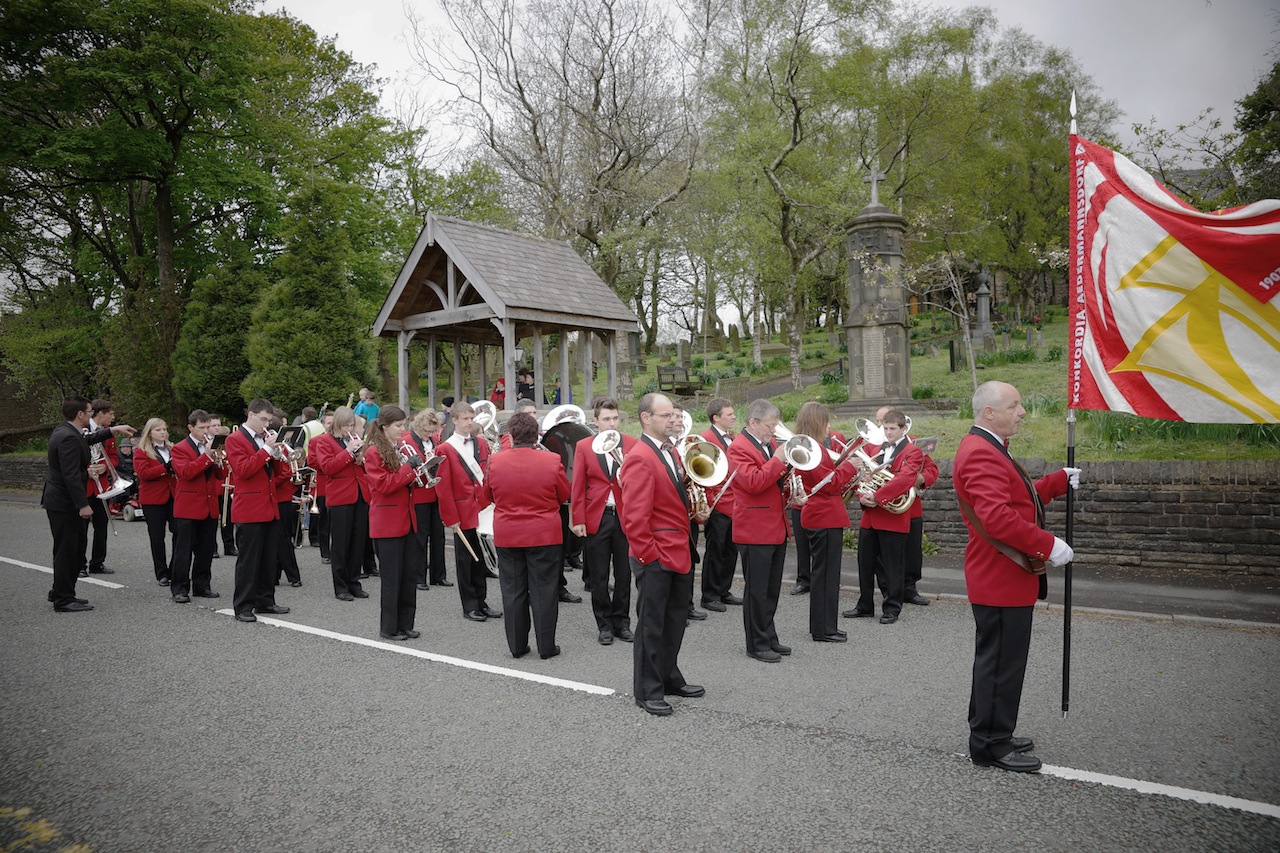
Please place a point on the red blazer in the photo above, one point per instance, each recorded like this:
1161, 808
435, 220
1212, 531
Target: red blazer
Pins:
906, 463
592, 486
255, 499
758, 515
726, 503
319, 489
285, 488
461, 499
526, 487
155, 479
826, 508
109, 448
346, 479
199, 484
987, 480
391, 512
653, 513
422, 446
930, 473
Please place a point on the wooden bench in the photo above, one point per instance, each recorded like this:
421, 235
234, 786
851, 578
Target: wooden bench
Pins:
675, 379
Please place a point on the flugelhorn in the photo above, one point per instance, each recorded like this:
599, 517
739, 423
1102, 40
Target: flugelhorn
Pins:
705, 466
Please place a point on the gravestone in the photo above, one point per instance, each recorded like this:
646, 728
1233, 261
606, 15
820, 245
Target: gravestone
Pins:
735, 342
682, 353
1004, 340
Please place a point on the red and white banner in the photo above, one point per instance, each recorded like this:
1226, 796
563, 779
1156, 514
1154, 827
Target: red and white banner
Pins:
1173, 311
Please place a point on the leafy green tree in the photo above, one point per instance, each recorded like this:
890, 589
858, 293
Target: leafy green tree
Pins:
307, 343
1258, 122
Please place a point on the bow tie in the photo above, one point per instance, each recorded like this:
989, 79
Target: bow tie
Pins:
888, 445
466, 440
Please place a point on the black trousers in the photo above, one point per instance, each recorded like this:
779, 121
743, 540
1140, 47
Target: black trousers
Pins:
100, 523
762, 568
348, 531
1002, 641
662, 610
318, 527
193, 544
256, 565
159, 518
915, 558
603, 550
472, 580
69, 538
721, 558
885, 549
804, 560
228, 529
530, 584
826, 546
286, 560
571, 546
430, 537
399, 558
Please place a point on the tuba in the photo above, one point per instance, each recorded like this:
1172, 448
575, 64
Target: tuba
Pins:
705, 466
567, 412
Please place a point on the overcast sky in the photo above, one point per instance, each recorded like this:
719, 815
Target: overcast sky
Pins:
1167, 59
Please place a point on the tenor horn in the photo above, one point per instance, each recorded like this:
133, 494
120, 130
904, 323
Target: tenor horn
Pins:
705, 466
801, 453
608, 443
486, 418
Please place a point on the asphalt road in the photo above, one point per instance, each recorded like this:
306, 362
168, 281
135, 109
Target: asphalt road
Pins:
146, 725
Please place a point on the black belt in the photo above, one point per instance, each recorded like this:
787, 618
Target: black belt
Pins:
612, 509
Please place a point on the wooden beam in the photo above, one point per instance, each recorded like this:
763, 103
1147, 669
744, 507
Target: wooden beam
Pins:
440, 319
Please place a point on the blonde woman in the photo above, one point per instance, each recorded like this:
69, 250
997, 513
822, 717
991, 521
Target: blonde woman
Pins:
156, 485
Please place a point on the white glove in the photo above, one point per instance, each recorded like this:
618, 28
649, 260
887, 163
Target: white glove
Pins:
1061, 553
1073, 477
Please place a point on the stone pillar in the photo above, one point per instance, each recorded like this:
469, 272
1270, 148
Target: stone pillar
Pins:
982, 323
878, 327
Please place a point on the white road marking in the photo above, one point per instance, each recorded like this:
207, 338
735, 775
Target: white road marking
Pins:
400, 648
48, 571
1143, 787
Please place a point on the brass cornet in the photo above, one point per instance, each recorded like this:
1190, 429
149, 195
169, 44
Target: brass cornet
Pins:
424, 470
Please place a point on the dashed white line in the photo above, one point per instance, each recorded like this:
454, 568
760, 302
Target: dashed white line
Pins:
432, 656
49, 571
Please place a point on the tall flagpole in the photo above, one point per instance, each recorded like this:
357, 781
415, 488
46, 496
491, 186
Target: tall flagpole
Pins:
1067, 572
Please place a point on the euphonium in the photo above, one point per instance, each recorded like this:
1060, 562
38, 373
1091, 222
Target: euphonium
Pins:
705, 466
873, 478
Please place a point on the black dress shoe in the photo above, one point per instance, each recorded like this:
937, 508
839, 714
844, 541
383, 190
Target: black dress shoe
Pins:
246, 617
1015, 761
917, 599
855, 613
295, 583
1022, 744
475, 616
688, 691
81, 600
231, 552
360, 593
801, 589
182, 598
208, 593
490, 612
657, 707
374, 573
163, 581
769, 656
624, 634
831, 638
715, 605
326, 561
697, 615
781, 649
101, 570
412, 634
573, 562
840, 633
555, 650
400, 635
216, 555
569, 598
73, 606
274, 608
344, 596
84, 573
422, 587
606, 638
490, 573
520, 653
888, 618
732, 599
442, 583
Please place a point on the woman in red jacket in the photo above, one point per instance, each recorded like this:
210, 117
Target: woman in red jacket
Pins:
393, 523
823, 520
338, 453
527, 485
156, 486
422, 438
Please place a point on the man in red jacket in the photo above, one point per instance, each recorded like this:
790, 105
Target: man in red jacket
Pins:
915, 535
253, 456
461, 498
1003, 570
655, 519
760, 527
720, 558
594, 515
195, 510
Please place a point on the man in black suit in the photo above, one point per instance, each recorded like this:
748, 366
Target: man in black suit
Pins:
66, 501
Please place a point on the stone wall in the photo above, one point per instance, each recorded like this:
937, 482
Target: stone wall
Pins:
1204, 515
25, 473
